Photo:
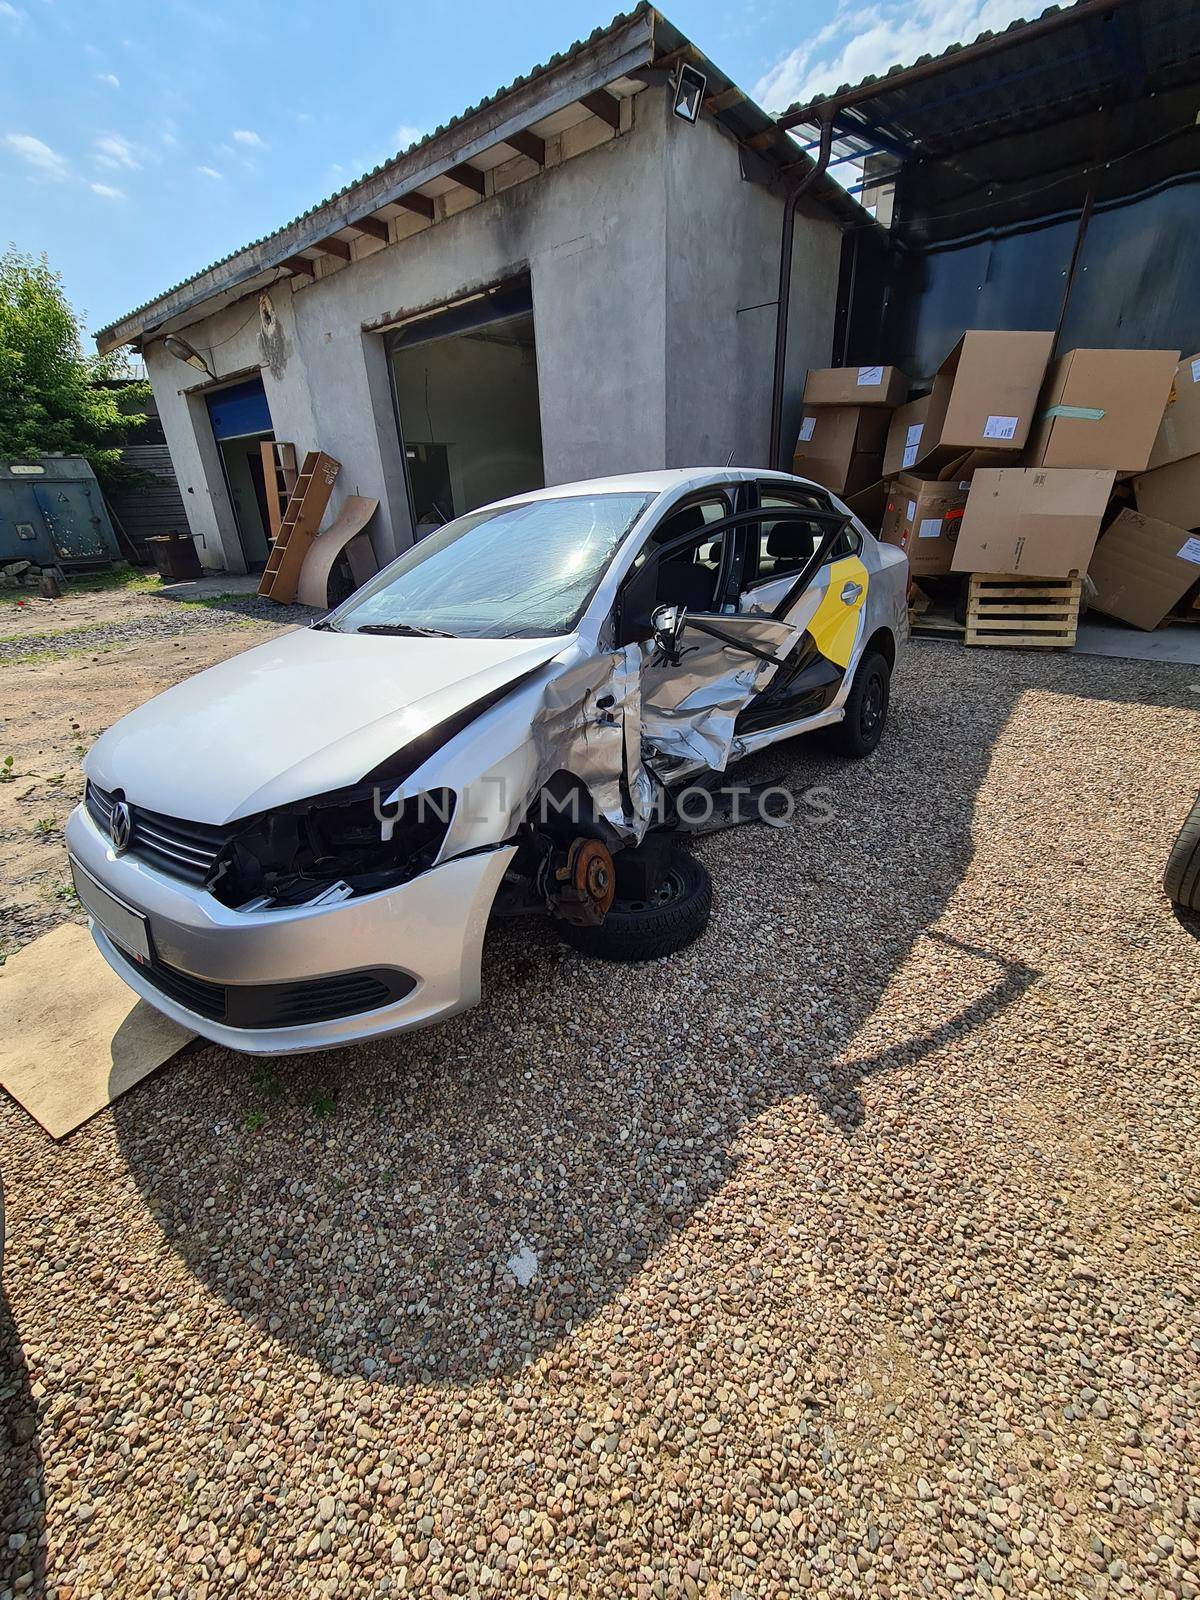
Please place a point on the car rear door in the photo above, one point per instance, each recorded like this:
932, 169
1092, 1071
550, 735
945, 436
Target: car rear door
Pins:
794, 572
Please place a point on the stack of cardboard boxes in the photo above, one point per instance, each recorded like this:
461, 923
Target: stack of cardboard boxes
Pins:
1014, 465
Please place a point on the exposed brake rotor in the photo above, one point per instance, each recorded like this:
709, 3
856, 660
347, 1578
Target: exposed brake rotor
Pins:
584, 883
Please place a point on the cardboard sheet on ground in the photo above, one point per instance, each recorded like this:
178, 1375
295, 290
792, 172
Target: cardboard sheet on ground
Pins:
72, 1036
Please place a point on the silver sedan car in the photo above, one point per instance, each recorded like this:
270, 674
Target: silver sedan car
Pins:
525, 713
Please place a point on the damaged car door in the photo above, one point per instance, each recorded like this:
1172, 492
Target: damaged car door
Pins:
712, 655
803, 563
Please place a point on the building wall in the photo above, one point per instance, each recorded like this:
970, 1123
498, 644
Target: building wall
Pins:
647, 254
722, 279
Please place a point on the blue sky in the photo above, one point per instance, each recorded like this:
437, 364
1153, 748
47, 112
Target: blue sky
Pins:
142, 139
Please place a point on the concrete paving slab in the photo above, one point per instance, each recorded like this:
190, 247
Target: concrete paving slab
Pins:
205, 588
1178, 645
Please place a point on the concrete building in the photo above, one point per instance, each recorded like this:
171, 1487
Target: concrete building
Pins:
570, 279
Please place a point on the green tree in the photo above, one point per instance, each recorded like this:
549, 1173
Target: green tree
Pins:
53, 396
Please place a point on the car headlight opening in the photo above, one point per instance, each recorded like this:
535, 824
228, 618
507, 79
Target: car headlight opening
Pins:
333, 847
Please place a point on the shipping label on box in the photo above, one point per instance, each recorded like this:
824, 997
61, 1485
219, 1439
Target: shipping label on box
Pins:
1000, 427
807, 429
905, 431
1189, 550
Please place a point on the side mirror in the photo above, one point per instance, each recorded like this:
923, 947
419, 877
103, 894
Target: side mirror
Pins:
667, 622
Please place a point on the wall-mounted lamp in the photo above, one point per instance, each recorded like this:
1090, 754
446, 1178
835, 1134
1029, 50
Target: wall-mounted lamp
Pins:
183, 351
690, 84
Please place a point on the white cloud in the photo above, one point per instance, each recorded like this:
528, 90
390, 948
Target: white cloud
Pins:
110, 78
13, 15
208, 172
865, 40
248, 136
406, 134
112, 151
48, 163
106, 191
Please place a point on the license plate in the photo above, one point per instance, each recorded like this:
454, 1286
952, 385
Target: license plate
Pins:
123, 925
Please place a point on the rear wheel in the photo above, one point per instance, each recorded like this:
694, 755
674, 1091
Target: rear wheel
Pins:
866, 708
1182, 877
671, 916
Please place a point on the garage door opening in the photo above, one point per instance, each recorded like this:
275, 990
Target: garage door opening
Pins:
466, 388
241, 421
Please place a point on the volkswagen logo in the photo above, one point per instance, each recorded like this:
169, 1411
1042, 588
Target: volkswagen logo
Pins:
120, 827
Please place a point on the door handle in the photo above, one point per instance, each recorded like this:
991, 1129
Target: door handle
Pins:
851, 592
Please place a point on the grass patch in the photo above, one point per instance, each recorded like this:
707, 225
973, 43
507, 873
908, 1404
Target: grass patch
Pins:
121, 578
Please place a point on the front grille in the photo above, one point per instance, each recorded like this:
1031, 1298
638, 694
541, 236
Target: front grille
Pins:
277, 1005
187, 850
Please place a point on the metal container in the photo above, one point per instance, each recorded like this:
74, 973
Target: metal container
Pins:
174, 554
53, 514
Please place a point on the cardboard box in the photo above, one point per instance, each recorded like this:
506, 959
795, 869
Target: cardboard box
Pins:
922, 516
1101, 408
1041, 522
841, 447
855, 386
1142, 567
905, 432
1179, 430
984, 395
1171, 493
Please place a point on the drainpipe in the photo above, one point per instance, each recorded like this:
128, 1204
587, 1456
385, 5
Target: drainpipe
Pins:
807, 178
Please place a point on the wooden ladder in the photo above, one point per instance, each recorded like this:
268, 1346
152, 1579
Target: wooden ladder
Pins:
298, 526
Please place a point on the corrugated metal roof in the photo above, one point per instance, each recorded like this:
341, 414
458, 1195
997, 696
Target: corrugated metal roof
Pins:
1038, 78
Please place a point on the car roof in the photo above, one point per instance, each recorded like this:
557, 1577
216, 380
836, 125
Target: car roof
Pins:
656, 482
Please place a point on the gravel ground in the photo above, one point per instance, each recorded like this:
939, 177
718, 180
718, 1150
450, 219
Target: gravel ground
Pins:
155, 619
852, 1251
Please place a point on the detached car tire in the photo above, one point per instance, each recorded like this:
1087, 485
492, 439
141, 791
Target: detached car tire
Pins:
645, 930
866, 708
1181, 880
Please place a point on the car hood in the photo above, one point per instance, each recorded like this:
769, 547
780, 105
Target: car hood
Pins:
309, 712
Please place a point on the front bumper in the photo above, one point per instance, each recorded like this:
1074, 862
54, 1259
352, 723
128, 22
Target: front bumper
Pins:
431, 929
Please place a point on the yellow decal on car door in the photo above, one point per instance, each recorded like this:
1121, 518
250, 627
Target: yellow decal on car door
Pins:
834, 626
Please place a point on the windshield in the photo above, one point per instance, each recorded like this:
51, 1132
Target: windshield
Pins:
516, 571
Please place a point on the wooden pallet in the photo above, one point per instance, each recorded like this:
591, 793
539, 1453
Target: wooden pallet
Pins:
279, 480
300, 522
1037, 613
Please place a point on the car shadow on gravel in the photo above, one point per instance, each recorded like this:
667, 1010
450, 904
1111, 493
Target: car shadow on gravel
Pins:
377, 1210
22, 1491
